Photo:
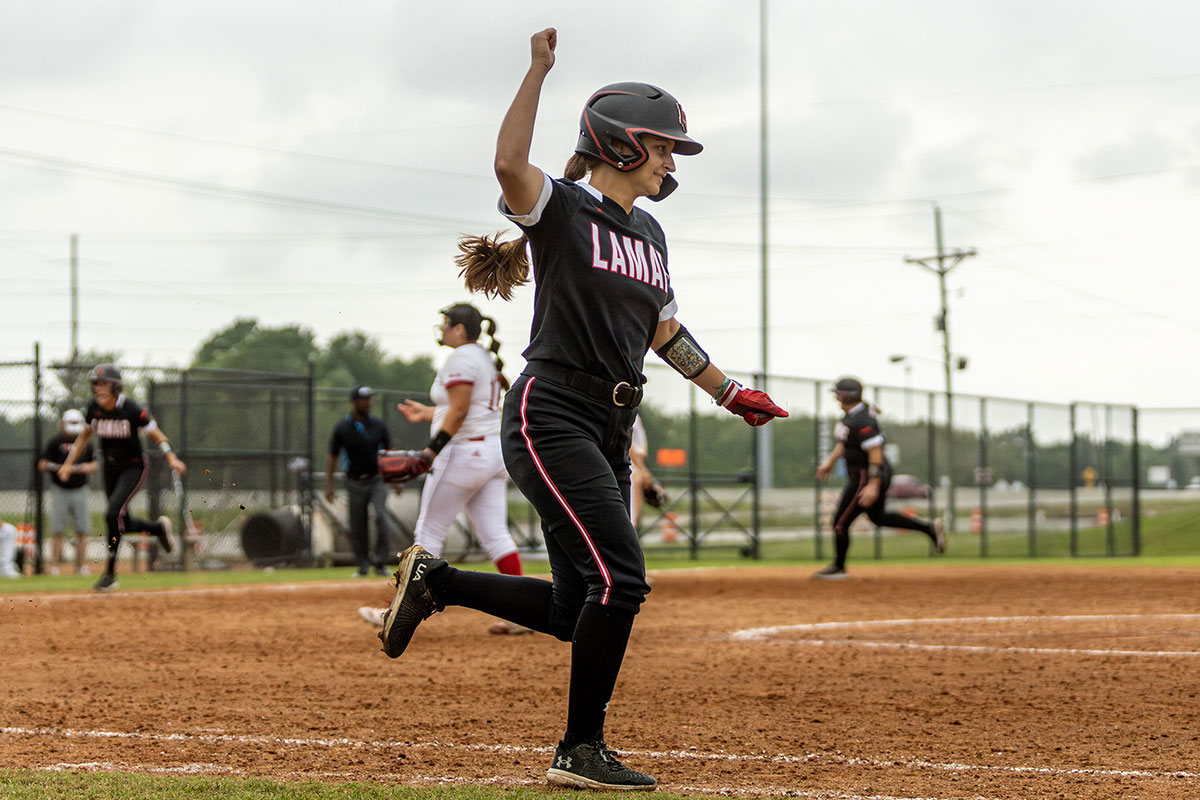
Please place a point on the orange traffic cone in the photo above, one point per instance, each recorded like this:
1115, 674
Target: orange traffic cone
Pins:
1102, 516
27, 545
977, 521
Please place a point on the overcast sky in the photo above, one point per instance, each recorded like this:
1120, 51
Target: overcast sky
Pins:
313, 164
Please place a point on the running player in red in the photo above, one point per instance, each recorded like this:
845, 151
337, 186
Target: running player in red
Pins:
602, 298
117, 421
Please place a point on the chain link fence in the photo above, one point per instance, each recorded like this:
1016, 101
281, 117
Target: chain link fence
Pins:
1012, 478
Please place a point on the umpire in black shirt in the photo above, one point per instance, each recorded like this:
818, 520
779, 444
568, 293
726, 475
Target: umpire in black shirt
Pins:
358, 439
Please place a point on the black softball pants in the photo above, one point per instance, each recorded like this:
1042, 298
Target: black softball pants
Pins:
121, 483
849, 510
569, 455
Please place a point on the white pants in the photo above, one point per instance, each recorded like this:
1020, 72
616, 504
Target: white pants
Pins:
467, 476
8, 551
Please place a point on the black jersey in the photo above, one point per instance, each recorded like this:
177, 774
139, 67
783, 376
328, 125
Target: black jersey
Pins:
601, 284
118, 430
361, 441
56, 452
858, 432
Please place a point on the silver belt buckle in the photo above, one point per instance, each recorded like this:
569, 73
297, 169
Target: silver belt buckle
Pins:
616, 389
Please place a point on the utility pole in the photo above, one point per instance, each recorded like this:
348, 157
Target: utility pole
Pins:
74, 297
943, 324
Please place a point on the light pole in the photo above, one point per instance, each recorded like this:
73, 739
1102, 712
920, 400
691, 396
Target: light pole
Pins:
946, 261
903, 359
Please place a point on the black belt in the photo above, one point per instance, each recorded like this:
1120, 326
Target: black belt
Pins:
620, 393
363, 476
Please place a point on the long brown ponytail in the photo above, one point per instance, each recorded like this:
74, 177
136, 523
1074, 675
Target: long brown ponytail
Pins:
495, 267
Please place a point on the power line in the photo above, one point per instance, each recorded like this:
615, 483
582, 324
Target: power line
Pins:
59, 164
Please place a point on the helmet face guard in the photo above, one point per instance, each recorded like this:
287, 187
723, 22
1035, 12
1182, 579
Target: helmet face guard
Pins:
623, 112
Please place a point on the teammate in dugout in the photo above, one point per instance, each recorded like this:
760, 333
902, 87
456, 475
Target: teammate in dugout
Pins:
868, 476
602, 298
466, 467
117, 421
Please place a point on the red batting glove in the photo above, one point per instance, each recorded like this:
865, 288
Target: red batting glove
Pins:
750, 404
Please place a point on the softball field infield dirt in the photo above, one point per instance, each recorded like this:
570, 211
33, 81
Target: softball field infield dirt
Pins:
933, 682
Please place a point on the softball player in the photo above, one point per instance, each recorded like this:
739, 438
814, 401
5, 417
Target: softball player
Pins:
468, 474
868, 473
602, 298
117, 421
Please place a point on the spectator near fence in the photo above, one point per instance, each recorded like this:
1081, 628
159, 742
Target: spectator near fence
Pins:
118, 422
357, 440
69, 498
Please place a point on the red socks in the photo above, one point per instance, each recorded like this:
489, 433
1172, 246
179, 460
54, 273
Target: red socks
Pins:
510, 564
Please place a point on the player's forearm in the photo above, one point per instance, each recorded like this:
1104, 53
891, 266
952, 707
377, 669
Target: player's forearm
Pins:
516, 131
453, 421
834, 455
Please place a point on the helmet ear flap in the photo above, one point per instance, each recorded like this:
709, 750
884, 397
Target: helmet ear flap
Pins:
669, 185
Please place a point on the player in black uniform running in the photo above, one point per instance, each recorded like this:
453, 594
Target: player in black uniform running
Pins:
603, 297
868, 476
117, 421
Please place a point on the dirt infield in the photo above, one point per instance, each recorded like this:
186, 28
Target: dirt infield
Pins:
903, 682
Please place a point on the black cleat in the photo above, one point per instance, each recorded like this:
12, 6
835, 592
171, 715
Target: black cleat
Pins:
591, 765
413, 602
164, 534
107, 582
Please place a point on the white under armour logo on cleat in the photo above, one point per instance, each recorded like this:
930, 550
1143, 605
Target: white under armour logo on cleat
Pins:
563, 761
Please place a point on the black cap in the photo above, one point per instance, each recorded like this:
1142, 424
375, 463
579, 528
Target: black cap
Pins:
361, 391
848, 385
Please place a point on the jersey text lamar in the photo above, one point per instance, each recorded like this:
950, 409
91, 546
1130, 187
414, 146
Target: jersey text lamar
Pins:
627, 256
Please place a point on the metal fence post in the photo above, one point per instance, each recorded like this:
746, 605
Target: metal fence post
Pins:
818, 540
1110, 543
36, 477
983, 477
930, 447
693, 478
1136, 522
1073, 493
1031, 480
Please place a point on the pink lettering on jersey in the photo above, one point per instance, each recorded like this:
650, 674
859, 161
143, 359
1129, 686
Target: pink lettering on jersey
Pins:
597, 261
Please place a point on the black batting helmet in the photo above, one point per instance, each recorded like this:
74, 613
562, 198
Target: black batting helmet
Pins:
622, 112
107, 373
848, 389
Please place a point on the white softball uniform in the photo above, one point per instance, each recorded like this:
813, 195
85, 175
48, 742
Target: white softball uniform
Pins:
639, 444
468, 475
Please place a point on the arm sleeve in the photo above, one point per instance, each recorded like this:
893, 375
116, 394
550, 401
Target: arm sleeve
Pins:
535, 215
